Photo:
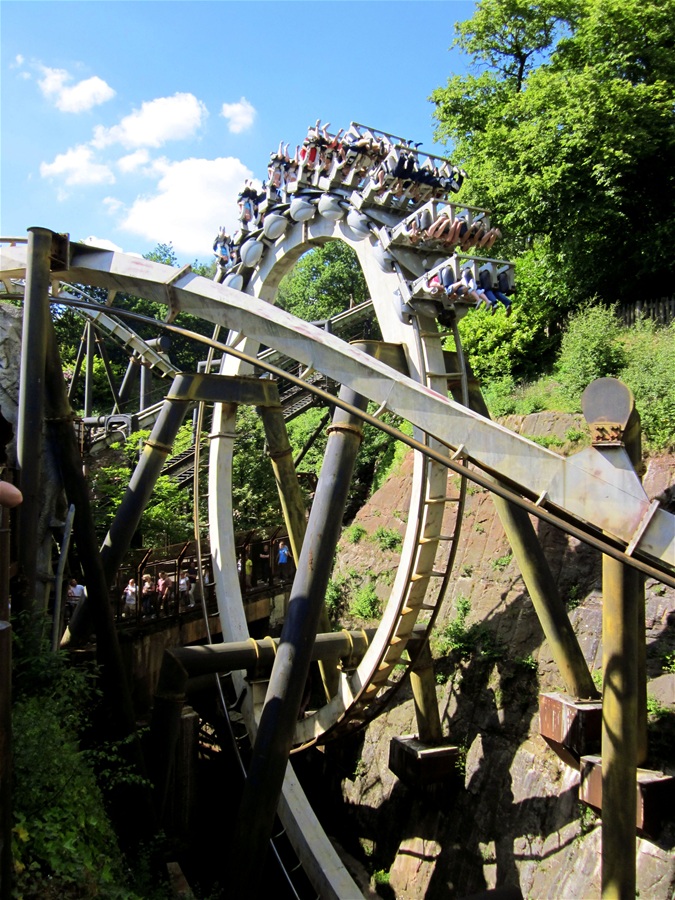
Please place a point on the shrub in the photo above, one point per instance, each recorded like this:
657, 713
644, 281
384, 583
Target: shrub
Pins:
63, 843
650, 374
387, 538
354, 533
366, 603
465, 640
336, 595
590, 349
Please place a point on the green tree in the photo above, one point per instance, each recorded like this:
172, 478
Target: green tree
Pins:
325, 281
566, 128
590, 349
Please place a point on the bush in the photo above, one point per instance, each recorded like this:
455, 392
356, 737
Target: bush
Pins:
354, 533
366, 603
650, 374
336, 595
590, 349
387, 538
63, 843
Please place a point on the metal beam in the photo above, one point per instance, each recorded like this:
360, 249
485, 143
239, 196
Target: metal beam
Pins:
274, 739
608, 497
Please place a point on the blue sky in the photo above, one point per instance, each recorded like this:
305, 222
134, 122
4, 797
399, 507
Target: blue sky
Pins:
136, 123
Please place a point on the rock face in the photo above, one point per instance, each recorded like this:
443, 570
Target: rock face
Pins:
513, 816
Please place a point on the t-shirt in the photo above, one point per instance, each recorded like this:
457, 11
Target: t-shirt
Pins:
283, 555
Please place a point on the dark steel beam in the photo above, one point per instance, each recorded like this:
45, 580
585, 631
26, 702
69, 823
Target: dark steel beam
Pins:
588, 534
287, 684
610, 411
541, 586
36, 318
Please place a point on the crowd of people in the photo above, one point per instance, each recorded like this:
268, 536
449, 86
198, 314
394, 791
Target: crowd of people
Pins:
485, 293
386, 170
156, 595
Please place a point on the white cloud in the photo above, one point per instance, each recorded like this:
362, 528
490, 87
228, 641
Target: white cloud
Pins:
19, 60
84, 95
240, 116
194, 197
157, 121
103, 243
80, 97
53, 81
133, 161
113, 205
77, 166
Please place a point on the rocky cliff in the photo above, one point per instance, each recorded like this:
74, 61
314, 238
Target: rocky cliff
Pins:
511, 815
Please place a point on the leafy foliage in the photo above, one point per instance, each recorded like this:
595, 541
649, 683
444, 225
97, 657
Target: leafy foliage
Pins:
589, 350
168, 516
366, 604
63, 843
325, 281
354, 533
387, 538
650, 374
255, 498
466, 640
565, 126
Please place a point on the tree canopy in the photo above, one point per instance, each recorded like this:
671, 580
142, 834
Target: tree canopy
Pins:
566, 128
325, 281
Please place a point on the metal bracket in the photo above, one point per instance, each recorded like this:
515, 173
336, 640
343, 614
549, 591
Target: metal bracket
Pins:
642, 527
171, 299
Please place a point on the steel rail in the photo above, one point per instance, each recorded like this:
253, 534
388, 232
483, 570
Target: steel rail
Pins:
609, 546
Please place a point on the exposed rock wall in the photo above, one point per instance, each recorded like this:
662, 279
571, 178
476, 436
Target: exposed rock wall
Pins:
514, 817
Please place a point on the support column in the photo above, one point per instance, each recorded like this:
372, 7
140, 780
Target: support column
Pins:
541, 586
619, 729
89, 372
423, 683
31, 414
293, 508
288, 680
610, 411
138, 815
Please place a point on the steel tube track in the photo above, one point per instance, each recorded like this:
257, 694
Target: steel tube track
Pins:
582, 487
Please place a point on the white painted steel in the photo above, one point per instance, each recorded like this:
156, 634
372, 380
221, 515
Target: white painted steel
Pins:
601, 491
586, 486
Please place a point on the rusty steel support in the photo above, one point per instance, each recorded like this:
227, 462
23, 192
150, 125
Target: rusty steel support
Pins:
29, 442
541, 586
290, 495
293, 508
137, 818
288, 680
610, 411
620, 640
145, 475
183, 664
423, 683
89, 371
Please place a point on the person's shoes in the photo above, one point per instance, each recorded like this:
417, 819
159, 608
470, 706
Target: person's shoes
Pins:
509, 310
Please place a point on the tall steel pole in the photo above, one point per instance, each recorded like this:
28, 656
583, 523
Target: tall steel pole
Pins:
31, 413
610, 411
541, 586
288, 680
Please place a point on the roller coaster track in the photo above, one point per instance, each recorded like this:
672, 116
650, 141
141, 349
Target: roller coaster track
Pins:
600, 499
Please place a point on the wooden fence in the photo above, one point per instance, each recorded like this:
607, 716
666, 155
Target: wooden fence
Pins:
661, 310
